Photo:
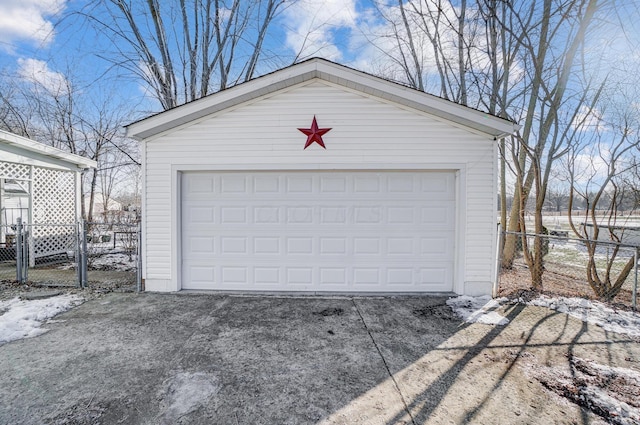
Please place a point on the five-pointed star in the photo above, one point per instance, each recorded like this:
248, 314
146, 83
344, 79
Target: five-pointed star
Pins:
314, 134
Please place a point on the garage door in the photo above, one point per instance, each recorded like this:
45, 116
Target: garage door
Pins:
350, 231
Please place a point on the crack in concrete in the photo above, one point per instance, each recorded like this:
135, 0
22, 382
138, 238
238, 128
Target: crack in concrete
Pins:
384, 361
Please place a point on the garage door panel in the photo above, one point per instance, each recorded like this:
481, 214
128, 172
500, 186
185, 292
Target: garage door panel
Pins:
319, 278
267, 276
437, 216
333, 185
438, 246
199, 214
366, 276
438, 185
320, 231
333, 246
297, 276
299, 183
233, 183
268, 184
199, 276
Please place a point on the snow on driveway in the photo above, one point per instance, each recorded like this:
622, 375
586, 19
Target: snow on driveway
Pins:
478, 309
23, 318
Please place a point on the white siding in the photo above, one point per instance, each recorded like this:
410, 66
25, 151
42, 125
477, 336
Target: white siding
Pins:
366, 134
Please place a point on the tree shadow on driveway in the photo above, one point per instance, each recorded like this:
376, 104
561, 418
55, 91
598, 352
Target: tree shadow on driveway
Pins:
151, 358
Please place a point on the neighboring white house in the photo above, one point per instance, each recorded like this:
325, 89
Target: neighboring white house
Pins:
41, 185
100, 213
320, 178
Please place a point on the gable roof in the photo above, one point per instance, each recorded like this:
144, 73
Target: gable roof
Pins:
334, 73
35, 150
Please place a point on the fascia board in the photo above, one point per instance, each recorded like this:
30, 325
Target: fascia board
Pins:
36, 150
425, 102
227, 98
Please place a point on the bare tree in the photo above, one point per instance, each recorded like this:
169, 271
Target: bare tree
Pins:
187, 49
12, 118
65, 116
549, 106
515, 59
434, 44
603, 189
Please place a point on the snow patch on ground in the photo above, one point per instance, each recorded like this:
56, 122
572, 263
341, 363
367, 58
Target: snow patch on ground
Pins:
595, 312
482, 310
185, 393
478, 309
114, 261
611, 392
22, 318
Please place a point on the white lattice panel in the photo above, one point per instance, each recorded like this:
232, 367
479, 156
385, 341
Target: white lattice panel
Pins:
53, 196
11, 170
52, 239
53, 202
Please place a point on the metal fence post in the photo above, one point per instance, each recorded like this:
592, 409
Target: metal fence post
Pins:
82, 263
635, 282
79, 234
19, 250
27, 255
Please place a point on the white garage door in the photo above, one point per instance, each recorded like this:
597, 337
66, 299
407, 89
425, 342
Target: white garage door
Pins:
350, 231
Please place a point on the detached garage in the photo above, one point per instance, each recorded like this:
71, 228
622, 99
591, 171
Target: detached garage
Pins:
320, 178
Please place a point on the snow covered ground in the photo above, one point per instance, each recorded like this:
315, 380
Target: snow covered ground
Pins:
478, 309
116, 261
23, 318
481, 310
594, 312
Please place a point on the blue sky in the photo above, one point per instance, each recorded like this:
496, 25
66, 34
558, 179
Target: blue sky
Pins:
41, 39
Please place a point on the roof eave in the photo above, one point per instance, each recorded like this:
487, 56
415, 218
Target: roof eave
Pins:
48, 151
333, 73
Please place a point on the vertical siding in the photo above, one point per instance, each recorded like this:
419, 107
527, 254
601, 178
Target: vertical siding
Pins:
365, 131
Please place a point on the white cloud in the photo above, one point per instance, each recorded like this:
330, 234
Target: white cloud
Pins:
28, 20
38, 72
588, 119
313, 24
381, 46
383, 43
591, 166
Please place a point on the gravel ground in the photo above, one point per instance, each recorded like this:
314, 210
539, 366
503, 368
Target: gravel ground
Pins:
11, 289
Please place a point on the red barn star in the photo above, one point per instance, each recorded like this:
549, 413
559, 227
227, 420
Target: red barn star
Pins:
314, 134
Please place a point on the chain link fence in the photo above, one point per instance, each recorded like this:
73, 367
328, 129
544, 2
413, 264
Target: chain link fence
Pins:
95, 255
569, 267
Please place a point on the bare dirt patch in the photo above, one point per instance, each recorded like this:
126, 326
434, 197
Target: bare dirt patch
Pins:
515, 283
10, 288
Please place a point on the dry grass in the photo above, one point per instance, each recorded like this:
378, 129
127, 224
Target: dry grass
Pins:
558, 280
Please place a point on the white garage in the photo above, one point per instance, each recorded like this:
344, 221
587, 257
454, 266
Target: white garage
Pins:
320, 179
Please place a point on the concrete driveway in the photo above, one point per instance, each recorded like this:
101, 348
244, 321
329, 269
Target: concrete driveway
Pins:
213, 359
